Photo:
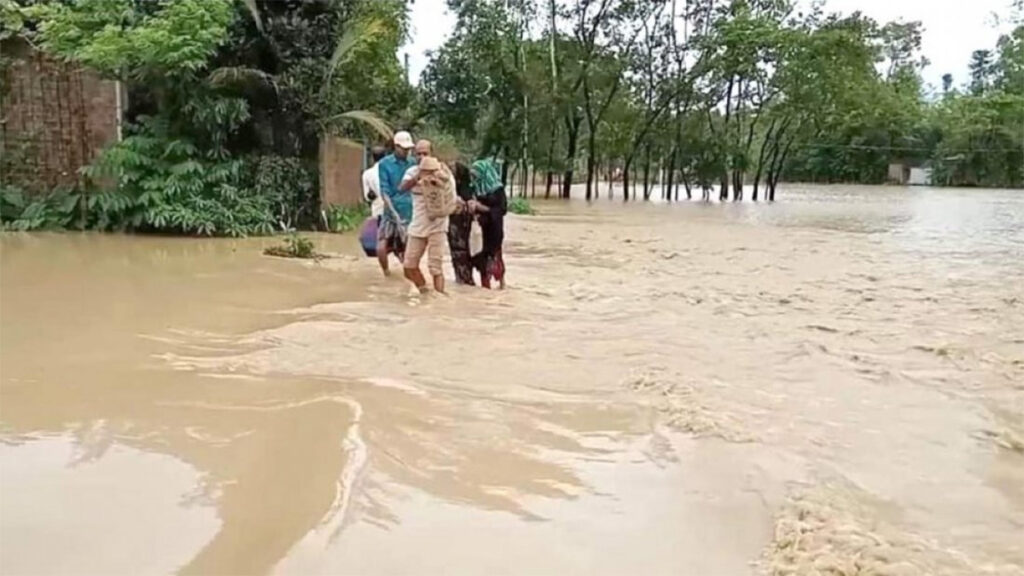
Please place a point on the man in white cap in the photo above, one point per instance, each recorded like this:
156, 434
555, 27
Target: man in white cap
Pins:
397, 202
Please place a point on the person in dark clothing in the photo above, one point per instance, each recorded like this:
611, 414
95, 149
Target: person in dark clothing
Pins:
459, 226
491, 204
490, 262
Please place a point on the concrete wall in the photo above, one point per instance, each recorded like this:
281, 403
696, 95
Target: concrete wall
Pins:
898, 174
341, 171
54, 119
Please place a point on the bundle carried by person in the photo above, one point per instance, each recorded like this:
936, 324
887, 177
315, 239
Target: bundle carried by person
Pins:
435, 186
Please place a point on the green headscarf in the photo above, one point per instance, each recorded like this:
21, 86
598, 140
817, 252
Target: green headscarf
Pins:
486, 176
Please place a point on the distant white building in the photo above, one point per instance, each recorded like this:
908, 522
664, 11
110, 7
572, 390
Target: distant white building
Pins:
920, 177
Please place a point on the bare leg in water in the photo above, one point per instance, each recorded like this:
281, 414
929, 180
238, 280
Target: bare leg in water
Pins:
416, 277
382, 256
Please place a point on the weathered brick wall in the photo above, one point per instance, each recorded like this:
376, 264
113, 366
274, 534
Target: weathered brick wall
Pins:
341, 170
54, 119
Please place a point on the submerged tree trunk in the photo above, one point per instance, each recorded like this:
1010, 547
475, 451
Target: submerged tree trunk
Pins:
778, 170
526, 178
547, 184
591, 168
666, 191
647, 173
570, 156
626, 179
679, 179
737, 185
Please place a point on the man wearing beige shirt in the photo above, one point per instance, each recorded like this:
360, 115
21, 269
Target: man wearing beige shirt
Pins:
426, 235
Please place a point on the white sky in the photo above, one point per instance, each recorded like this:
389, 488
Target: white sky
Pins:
952, 29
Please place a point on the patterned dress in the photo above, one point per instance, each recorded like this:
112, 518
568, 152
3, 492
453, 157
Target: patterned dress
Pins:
459, 227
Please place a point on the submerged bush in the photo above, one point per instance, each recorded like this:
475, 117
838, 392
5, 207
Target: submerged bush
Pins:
518, 205
345, 218
20, 211
294, 246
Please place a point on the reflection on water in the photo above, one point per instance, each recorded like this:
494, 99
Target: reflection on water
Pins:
658, 385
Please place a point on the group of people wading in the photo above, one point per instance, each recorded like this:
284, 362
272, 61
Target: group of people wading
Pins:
420, 203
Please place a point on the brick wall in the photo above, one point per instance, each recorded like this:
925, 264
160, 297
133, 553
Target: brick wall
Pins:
54, 119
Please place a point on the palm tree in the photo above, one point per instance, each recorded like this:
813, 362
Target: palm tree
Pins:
250, 81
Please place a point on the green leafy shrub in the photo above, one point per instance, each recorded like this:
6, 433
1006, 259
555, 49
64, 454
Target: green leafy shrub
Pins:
518, 205
168, 184
346, 218
294, 246
19, 211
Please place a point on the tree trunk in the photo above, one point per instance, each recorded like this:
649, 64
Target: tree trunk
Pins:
570, 158
526, 179
723, 192
737, 185
778, 170
647, 173
666, 191
680, 164
591, 165
547, 184
625, 180
760, 160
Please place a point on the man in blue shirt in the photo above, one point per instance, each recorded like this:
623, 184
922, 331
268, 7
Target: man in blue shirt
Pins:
397, 202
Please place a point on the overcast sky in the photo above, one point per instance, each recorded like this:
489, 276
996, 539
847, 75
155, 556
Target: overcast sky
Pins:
952, 29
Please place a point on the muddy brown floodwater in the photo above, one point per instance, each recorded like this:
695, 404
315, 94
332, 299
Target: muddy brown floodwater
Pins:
833, 384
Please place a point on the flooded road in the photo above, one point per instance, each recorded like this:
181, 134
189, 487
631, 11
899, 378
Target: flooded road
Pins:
833, 384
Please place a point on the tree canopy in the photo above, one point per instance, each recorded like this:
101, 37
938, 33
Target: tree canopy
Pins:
730, 93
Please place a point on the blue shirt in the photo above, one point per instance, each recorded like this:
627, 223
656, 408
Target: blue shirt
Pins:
392, 168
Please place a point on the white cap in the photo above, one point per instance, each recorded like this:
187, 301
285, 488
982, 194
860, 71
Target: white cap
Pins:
403, 140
